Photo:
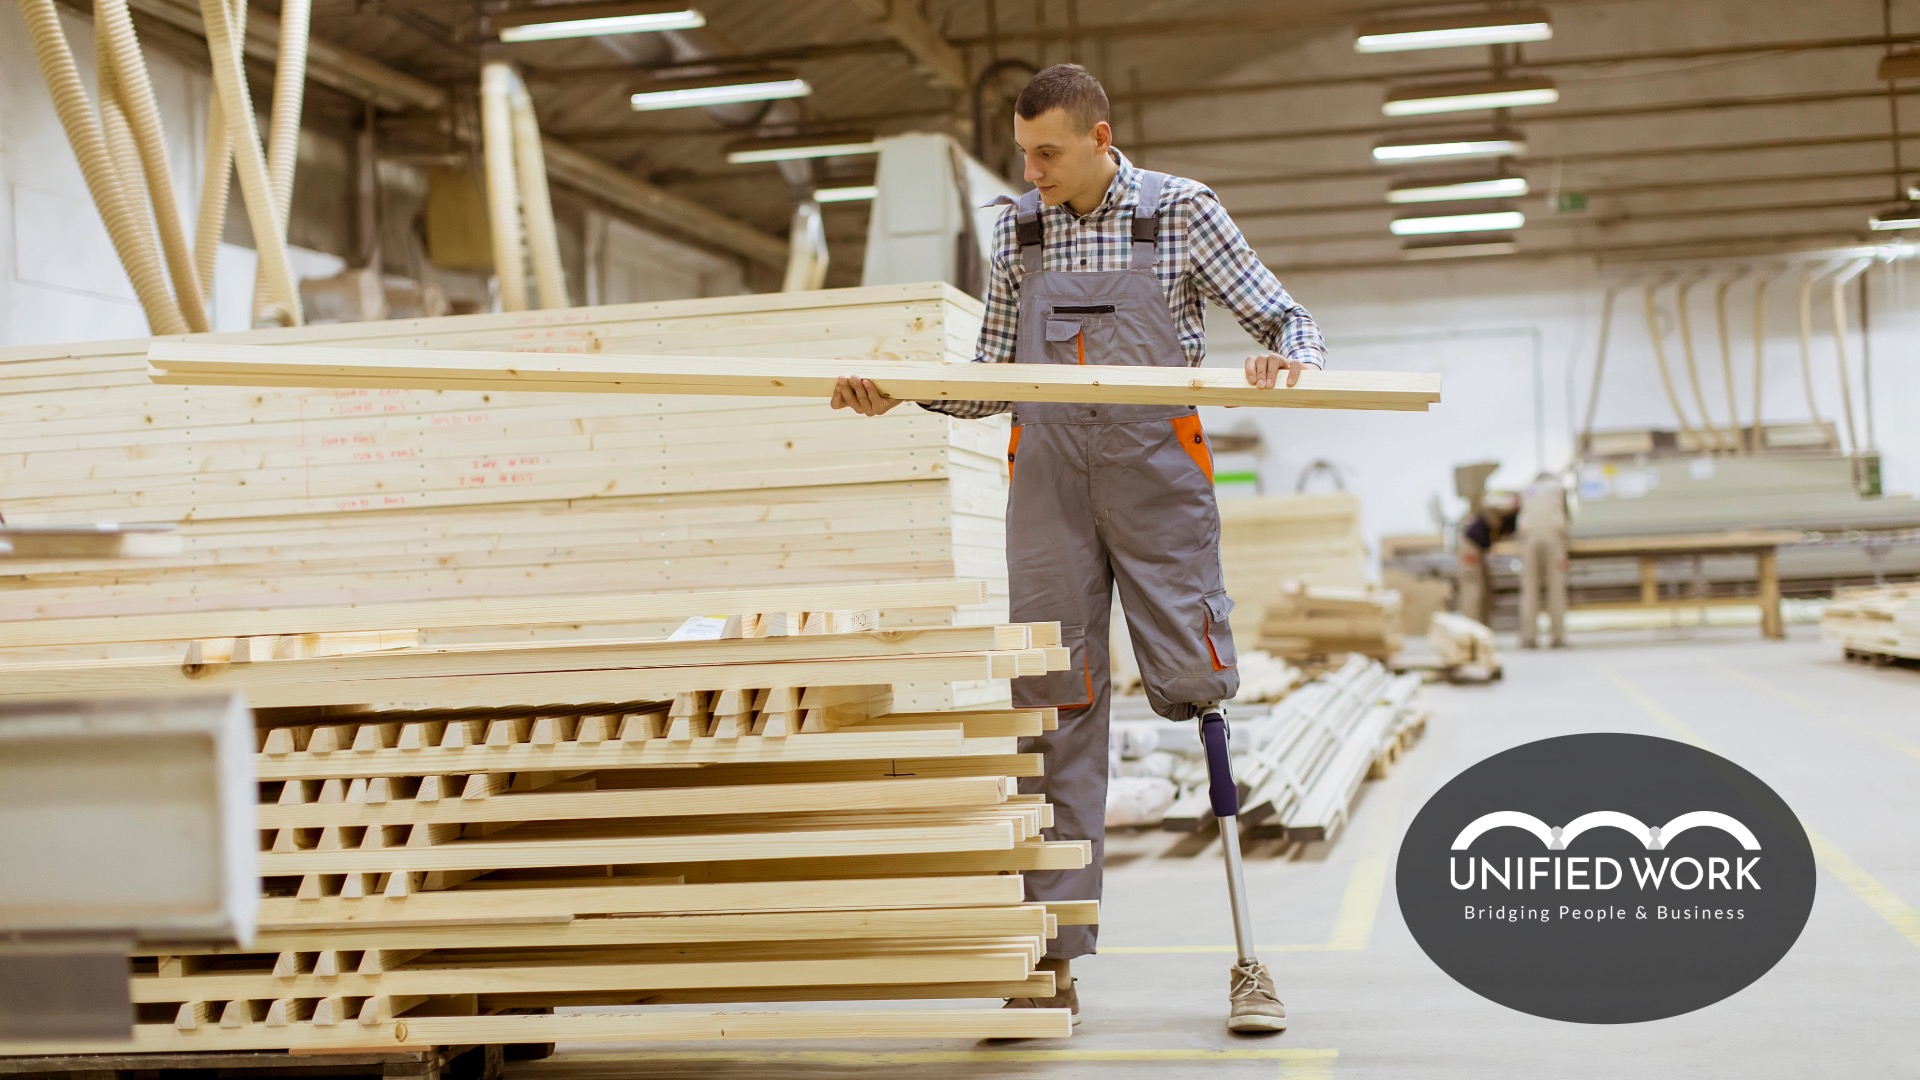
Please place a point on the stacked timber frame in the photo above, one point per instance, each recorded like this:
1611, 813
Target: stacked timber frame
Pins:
294, 497
743, 820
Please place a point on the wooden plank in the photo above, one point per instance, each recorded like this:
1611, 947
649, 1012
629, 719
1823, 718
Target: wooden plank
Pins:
185, 363
636, 974
1683, 544
489, 906
430, 614
650, 1026
671, 802
622, 850
268, 685
840, 746
909, 924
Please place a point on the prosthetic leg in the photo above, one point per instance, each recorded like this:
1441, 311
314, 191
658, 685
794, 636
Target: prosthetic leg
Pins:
1255, 1005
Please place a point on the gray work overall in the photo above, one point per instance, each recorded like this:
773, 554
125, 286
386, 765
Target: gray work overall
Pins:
1105, 494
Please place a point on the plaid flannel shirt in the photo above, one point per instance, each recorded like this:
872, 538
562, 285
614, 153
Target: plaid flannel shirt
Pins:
1202, 257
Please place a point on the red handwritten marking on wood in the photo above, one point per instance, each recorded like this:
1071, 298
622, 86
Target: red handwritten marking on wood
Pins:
456, 420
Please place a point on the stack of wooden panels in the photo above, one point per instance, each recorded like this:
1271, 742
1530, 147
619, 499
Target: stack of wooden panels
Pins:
1303, 764
600, 825
1319, 621
1870, 624
1333, 734
317, 497
1268, 541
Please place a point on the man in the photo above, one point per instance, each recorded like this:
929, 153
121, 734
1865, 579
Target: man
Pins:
1104, 263
1542, 532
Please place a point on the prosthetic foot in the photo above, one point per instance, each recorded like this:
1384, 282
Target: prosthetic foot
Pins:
1255, 1008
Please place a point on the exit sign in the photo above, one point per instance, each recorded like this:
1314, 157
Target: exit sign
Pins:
1570, 202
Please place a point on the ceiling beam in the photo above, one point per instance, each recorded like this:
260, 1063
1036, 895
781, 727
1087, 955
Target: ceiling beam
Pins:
1531, 118
942, 64
369, 80
1705, 247
1558, 223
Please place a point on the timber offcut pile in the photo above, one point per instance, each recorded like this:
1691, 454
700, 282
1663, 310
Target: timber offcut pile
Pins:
1881, 624
1268, 542
451, 853
1309, 622
1464, 646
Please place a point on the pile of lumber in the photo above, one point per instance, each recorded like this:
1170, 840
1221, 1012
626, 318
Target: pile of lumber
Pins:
1875, 624
314, 497
1270, 541
1301, 765
1321, 622
1462, 644
448, 859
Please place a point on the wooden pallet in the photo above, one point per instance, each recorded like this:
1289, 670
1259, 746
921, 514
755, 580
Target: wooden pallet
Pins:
1876, 626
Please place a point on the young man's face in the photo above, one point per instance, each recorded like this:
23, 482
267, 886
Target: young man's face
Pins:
1063, 161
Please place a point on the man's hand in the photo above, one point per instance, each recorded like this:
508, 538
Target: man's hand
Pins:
1263, 370
861, 396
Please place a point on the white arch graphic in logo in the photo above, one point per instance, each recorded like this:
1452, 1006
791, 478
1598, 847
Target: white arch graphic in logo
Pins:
1653, 838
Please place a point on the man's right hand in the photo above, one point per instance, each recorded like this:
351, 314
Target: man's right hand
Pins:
861, 396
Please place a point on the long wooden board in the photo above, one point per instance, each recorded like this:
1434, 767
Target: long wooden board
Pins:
184, 363
471, 612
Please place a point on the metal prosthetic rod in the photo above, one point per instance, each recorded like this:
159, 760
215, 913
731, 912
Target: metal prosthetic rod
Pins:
1225, 796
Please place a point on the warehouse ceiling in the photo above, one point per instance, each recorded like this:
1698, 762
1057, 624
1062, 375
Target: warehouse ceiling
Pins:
1708, 126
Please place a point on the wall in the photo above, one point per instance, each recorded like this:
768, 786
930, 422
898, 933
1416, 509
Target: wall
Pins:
1516, 343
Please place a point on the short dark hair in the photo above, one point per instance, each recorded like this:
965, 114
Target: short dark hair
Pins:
1064, 86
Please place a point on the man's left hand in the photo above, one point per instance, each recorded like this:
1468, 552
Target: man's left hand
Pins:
1263, 370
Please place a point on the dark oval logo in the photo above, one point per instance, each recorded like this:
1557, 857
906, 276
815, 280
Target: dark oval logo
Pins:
1606, 878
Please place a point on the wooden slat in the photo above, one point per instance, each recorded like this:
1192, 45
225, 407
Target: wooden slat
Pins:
193, 363
430, 614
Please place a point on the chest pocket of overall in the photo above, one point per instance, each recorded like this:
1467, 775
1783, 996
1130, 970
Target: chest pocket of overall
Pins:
1082, 334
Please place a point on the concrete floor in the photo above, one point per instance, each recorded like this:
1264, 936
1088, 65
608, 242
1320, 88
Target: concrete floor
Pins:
1840, 742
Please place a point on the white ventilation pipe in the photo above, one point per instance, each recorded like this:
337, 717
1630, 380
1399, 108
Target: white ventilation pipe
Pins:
283, 126
1806, 345
807, 257
503, 194
256, 187
1840, 281
1726, 362
216, 182
89, 143
1760, 357
117, 45
536, 203
1710, 434
1599, 368
1660, 360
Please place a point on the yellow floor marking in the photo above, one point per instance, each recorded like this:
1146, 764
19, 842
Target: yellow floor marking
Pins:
1359, 906
1882, 901
1820, 710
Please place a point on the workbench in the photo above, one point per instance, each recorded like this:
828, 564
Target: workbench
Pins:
1763, 545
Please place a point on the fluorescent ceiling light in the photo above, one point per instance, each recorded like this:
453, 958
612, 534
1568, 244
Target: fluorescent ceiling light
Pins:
1460, 247
800, 148
1904, 216
1493, 221
1466, 96
558, 21
1433, 149
1463, 187
692, 95
860, 193
1453, 31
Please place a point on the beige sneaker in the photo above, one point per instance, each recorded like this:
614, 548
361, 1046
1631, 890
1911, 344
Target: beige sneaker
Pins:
1065, 996
1256, 1008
